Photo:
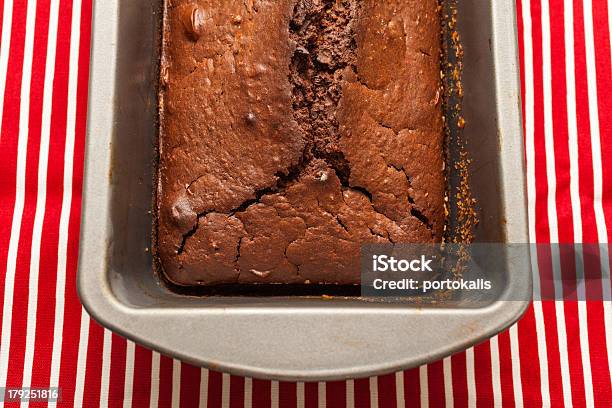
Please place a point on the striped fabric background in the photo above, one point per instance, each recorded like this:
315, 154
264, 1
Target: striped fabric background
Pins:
560, 353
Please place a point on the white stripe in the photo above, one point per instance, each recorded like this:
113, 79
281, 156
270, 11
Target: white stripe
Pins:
470, 377
248, 392
400, 400
549, 143
128, 385
107, 346
35, 250
322, 395
274, 394
515, 357
155, 362
373, 381
204, 388
350, 394
299, 389
176, 383
22, 146
447, 367
598, 172
7, 21
225, 390
79, 385
60, 279
423, 382
495, 372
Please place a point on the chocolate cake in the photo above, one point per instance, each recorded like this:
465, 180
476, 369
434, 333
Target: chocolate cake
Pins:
294, 131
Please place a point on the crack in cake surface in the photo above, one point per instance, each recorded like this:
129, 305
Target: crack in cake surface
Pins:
323, 32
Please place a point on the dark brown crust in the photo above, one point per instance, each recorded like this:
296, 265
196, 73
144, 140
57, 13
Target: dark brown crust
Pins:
280, 156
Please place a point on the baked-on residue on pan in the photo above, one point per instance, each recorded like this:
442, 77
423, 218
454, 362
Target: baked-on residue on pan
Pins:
461, 206
292, 132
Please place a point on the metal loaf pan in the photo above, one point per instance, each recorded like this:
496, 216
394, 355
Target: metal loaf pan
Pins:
287, 338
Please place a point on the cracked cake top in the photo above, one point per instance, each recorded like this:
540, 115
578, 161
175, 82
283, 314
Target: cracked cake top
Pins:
293, 132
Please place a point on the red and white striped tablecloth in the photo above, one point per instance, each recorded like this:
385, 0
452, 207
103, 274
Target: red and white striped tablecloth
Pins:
560, 353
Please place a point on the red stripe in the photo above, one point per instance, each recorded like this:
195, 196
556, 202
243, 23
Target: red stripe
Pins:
412, 388
165, 381
552, 349
574, 352
528, 351
311, 395
362, 393
93, 370
545, 269
598, 354
1, 19
604, 84
567, 262
435, 384
190, 386
592, 272
214, 389
287, 394
459, 372
117, 371
141, 389
335, 393
261, 393
505, 369
482, 374
9, 136
386, 391
236, 392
